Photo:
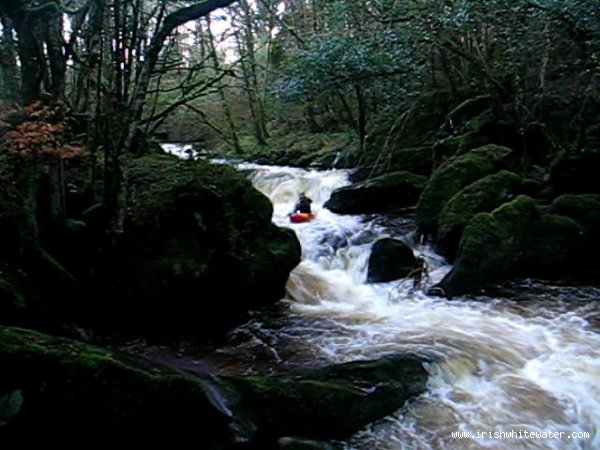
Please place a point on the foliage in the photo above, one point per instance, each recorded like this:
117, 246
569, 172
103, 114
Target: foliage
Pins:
43, 134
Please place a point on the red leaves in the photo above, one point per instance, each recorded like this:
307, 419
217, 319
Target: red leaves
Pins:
43, 135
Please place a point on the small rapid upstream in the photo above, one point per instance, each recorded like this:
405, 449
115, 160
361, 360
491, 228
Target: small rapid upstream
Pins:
501, 365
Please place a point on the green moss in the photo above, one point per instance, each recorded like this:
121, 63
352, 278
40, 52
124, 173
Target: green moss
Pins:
193, 227
516, 239
114, 399
555, 246
470, 108
584, 209
310, 404
491, 246
484, 195
69, 385
453, 176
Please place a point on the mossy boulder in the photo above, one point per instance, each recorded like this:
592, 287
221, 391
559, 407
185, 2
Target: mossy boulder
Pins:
453, 176
329, 403
462, 114
383, 193
76, 395
390, 259
584, 209
66, 390
484, 195
448, 147
514, 240
198, 250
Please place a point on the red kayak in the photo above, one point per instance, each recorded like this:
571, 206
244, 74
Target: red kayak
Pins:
302, 217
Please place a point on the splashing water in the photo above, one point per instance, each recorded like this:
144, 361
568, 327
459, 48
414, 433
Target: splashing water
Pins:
496, 369
500, 365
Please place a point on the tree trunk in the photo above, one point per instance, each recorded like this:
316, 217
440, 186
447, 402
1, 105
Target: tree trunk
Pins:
32, 72
9, 70
224, 102
56, 59
361, 124
118, 194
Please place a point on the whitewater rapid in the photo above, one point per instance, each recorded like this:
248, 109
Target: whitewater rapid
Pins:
498, 366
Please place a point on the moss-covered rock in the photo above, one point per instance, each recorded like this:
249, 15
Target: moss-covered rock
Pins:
462, 114
66, 390
199, 249
328, 403
584, 209
383, 193
484, 195
75, 395
390, 259
516, 239
448, 147
453, 176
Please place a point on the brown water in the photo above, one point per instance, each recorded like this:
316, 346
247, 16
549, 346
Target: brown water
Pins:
501, 365
525, 359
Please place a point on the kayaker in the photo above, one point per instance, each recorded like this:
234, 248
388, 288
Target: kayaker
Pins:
303, 204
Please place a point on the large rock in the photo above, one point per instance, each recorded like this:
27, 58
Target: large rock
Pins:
584, 209
199, 249
390, 259
484, 195
453, 176
329, 403
55, 386
514, 240
75, 395
380, 194
294, 443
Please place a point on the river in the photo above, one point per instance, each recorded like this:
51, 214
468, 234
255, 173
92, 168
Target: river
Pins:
524, 360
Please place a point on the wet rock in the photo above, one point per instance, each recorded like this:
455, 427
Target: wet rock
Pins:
194, 229
198, 228
380, 194
75, 395
453, 176
515, 240
484, 195
54, 386
295, 443
390, 259
329, 403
